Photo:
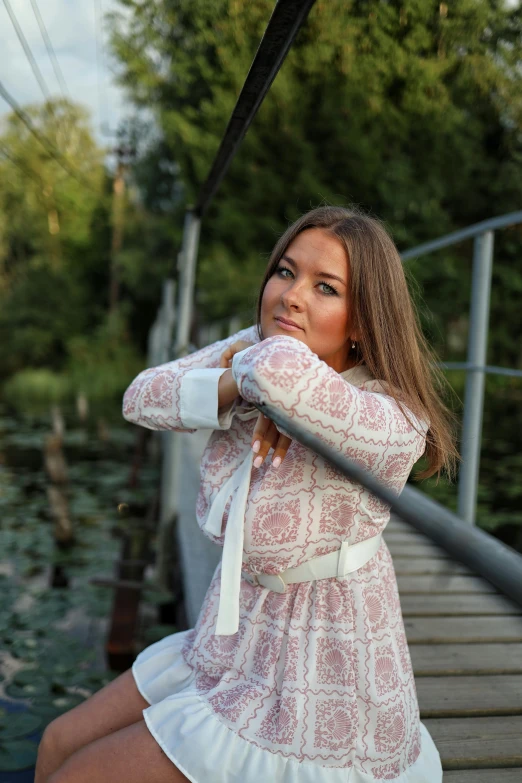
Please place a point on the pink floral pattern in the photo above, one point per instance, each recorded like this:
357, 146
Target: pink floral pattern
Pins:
386, 673
266, 654
331, 603
337, 514
391, 728
335, 724
231, 703
280, 723
375, 605
276, 525
334, 662
276, 605
330, 398
291, 659
320, 673
386, 771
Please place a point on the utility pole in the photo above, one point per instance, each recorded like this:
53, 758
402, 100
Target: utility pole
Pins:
124, 155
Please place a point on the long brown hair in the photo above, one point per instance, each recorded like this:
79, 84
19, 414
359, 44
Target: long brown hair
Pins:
391, 341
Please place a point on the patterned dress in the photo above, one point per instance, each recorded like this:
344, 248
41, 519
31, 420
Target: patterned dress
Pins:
316, 685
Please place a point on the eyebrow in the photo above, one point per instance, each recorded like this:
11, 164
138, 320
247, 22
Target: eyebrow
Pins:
317, 274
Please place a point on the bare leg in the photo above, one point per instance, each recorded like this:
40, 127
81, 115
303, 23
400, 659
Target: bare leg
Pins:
117, 705
130, 755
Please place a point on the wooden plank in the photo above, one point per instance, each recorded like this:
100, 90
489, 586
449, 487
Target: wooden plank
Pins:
449, 630
436, 605
467, 743
428, 565
484, 776
425, 549
453, 659
398, 525
469, 696
443, 583
404, 535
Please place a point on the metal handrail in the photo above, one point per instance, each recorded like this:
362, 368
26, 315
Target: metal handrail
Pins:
492, 559
475, 367
287, 18
488, 368
475, 230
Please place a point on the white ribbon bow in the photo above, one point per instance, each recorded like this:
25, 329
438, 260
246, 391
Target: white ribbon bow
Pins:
231, 563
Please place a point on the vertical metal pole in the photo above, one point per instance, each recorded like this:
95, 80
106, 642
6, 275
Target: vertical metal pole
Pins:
170, 466
475, 379
187, 276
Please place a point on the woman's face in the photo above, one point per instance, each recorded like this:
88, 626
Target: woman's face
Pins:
310, 287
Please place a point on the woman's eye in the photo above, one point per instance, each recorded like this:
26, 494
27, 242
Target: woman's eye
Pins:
331, 290
281, 269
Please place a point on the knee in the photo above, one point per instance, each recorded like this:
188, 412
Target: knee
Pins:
49, 752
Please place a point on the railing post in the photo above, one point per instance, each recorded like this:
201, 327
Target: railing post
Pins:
171, 445
475, 379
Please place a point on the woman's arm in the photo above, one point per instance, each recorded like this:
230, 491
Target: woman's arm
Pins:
364, 425
182, 395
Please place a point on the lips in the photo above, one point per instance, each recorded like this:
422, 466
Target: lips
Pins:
287, 322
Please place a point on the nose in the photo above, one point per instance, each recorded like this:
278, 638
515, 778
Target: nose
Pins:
292, 296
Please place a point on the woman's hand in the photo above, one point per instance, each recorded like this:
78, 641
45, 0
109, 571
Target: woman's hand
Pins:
226, 356
227, 387
267, 436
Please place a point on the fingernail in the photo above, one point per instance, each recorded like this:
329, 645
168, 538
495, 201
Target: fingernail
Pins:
256, 446
258, 461
276, 462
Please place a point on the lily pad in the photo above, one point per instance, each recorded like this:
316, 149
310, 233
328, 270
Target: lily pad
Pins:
29, 690
52, 707
28, 677
24, 649
17, 754
18, 725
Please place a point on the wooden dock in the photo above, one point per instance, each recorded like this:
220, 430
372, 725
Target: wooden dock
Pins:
465, 641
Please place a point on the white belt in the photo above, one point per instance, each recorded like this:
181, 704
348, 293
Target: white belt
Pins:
343, 561
340, 563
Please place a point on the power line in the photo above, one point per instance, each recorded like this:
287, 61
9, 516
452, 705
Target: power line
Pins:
16, 161
103, 104
50, 51
49, 147
28, 53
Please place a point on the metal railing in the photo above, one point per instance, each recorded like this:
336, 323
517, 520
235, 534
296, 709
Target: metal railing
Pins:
475, 367
285, 22
495, 561
498, 563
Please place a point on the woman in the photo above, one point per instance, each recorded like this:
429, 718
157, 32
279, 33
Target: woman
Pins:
298, 668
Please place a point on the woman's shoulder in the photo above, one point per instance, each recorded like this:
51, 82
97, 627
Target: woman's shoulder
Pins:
361, 377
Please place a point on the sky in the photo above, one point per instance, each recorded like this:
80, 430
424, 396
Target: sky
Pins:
71, 25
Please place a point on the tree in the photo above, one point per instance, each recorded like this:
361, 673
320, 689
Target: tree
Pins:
47, 207
412, 109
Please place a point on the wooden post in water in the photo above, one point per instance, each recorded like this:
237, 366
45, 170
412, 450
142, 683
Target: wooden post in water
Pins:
57, 492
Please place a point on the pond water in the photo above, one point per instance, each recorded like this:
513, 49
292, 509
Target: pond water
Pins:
52, 638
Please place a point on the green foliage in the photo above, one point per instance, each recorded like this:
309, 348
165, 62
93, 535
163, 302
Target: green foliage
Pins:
102, 363
411, 109
99, 366
29, 386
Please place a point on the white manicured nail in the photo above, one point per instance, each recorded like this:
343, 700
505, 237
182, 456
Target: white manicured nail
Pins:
276, 462
258, 461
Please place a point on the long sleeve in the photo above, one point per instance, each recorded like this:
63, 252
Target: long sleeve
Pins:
367, 426
182, 395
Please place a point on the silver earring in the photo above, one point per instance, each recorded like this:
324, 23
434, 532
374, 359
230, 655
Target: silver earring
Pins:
353, 346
